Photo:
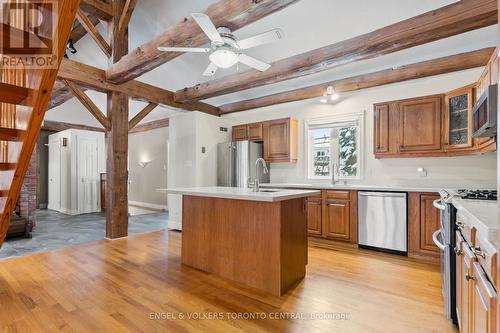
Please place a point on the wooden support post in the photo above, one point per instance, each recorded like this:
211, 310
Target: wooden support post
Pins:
117, 142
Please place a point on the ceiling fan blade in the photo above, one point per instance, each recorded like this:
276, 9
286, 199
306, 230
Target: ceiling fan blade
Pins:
211, 69
208, 27
261, 39
254, 63
184, 49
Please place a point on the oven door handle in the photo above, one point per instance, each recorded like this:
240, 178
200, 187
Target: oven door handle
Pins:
436, 241
437, 203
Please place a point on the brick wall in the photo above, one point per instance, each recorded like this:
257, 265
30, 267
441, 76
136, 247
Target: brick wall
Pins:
27, 198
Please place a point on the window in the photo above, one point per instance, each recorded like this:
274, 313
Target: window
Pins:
334, 147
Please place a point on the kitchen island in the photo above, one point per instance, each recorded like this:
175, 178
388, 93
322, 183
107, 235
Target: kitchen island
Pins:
258, 239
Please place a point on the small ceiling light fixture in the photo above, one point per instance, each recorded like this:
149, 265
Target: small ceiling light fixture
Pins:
224, 57
71, 47
329, 95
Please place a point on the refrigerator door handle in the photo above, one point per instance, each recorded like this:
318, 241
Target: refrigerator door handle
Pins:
228, 165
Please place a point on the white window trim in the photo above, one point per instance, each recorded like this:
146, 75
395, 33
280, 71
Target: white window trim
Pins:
335, 120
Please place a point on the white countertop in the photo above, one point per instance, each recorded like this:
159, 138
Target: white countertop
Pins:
327, 186
239, 193
481, 214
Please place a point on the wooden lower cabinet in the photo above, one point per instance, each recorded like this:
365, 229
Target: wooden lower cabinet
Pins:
423, 221
333, 216
477, 307
337, 219
314, 208
483, 306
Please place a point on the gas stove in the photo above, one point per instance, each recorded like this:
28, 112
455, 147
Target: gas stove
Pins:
478, 194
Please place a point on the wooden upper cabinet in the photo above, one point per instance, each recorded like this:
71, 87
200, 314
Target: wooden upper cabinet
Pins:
240, 133
458, 108
381, 129
484, 82
255, 132
281, 140
420, 124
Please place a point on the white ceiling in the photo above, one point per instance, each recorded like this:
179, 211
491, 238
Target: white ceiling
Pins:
308, 24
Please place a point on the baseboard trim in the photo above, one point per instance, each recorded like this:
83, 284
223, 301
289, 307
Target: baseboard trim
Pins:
148, 205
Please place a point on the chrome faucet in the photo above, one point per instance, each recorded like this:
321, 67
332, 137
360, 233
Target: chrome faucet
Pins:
334, 170
255, 184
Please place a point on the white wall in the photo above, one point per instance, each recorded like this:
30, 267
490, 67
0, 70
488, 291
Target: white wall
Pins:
144, 182
188, 166
444, 171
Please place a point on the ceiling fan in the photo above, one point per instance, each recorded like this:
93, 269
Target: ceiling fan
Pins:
225, 49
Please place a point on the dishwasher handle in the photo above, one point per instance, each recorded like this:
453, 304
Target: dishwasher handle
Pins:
382, 194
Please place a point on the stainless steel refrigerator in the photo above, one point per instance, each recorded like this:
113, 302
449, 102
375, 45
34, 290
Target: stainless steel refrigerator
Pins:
236, 163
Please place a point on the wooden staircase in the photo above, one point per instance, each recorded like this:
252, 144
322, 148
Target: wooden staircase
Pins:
24, 96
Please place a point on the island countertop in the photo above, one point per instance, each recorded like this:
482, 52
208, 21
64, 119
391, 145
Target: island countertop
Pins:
239, 193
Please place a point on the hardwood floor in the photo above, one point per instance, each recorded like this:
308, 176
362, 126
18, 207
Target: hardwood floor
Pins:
120, 285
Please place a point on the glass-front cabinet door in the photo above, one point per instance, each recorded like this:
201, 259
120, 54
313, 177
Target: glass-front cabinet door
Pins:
458, 130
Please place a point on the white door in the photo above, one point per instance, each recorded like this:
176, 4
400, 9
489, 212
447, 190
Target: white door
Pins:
88, 175
54, 174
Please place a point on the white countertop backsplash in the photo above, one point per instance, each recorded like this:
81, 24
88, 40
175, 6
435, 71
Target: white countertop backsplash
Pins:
239, 193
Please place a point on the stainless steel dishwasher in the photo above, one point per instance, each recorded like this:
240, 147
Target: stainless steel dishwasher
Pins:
382, 221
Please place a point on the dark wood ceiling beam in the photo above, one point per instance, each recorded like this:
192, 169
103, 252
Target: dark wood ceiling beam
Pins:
89, 104
451, 20
92, 30
57, 126
233, 14
94, 78
408, 72
79, 31
127, 14
100, 8
151, 126
140, 116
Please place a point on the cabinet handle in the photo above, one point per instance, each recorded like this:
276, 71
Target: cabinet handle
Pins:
469, 277
458, 252
480, 253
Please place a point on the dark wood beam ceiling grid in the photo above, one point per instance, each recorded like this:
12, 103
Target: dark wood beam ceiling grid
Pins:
408, 72
89, 104
94, 78
140, 116
102, 9
150, 125
451, 20
127, 14
233, 14
92, 30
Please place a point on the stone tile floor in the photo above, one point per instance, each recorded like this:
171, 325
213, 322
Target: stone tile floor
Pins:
55, 230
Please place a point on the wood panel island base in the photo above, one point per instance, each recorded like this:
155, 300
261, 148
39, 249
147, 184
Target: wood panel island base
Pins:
257, 239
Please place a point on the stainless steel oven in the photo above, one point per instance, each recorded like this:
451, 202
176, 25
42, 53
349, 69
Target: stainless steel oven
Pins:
444, 238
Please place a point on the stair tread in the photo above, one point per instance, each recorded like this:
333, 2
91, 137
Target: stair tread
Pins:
13, 94
7, 166
11, 134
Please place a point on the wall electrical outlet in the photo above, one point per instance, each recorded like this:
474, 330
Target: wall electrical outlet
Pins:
422, 172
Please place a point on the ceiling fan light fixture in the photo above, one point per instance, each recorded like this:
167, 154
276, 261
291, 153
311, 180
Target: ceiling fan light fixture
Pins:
224, 58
